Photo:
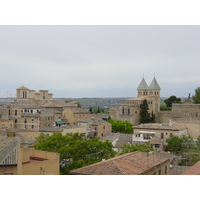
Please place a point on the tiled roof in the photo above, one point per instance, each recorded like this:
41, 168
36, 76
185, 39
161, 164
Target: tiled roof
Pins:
8, 148
4, 120
22, 88
174, 126
135, 163
143, 85
84, 119
79, 110
118, 139
51, 129
154, 85
194, 170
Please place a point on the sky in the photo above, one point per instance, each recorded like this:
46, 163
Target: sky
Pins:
99, 61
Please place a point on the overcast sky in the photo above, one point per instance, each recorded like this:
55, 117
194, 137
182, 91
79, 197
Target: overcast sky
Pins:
99, 61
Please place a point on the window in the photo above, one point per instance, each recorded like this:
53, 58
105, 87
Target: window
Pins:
135, 112
128, 111
104, 127
160, 172
162, 136
31, 111
157, 146
25, 121
32, 126
122, 111
15, 112
15, 120
25, 126
171, 134
32, 119
8, 112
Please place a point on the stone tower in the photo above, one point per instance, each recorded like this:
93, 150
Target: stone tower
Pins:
143, 88
154, 91
22, 93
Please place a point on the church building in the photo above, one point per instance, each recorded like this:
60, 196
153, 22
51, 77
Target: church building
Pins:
130, 109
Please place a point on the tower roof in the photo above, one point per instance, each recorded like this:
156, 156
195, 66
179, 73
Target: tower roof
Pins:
154, 85
22, 88
143, 85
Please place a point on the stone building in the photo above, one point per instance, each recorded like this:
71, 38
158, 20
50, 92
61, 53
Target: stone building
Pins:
130, 109
187, 114
34, 110
73, 113
17, 159
146, 132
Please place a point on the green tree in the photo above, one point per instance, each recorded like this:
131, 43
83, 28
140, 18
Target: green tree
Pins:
196, 97
144, 115
127, 148
91, 110
187, 142
198, 142
164, 107
78, 105
174, 144
75, 150
121, 126
172, 99
153, 117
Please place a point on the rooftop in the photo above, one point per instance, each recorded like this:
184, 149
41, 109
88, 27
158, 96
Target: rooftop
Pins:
154, 85
143, 85
173, 126
194, 170
135, 163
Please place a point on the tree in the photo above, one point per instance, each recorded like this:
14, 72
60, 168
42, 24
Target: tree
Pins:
172, 99
121, 126
174, 144
187, 142
78, 105
91, 110
75, 150
164, 107
196, 97
153, 117
144, 115
198, 142
127, 148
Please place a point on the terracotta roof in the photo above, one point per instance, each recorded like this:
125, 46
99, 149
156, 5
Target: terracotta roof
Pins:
194, 170
135, 163
5, 120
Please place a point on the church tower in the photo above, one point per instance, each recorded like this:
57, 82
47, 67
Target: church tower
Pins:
22, 93
154, 91
143, 88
